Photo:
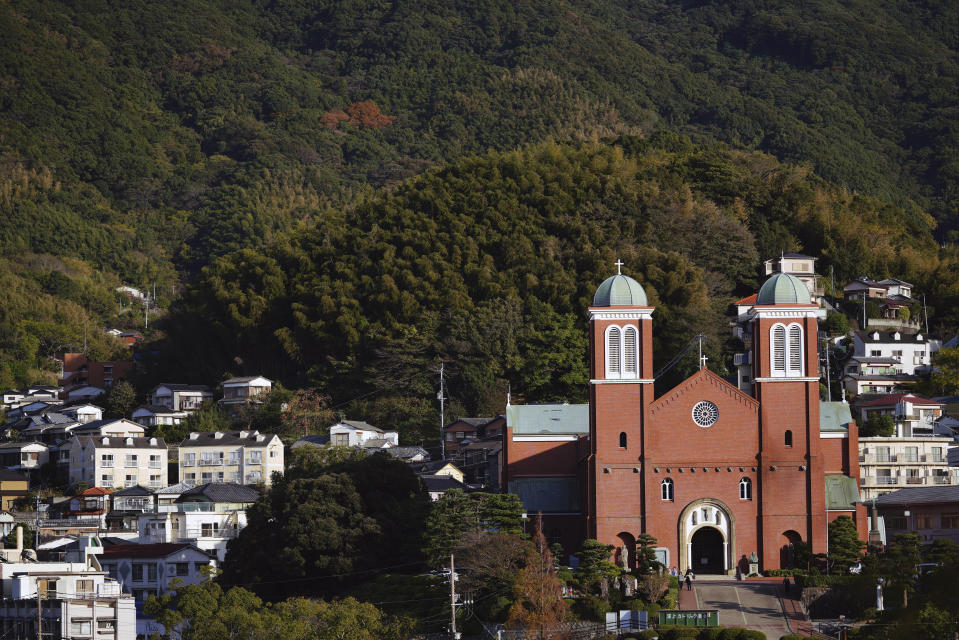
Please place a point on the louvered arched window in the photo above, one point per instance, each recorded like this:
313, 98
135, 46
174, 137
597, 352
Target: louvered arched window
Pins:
795, 350
629, 352
778, 345
786, 350
613, 352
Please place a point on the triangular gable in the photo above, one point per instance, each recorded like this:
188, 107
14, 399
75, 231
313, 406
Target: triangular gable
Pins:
703, 377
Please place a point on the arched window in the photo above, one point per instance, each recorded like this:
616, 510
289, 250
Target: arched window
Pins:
613, 352
745, 489
622, 440
795, 350
778, 359
786, 350
789, 438
629, 352
667, 489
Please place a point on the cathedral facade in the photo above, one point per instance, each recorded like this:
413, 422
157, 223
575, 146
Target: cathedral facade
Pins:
716, 475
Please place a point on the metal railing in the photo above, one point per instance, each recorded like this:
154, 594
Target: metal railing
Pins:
887, 480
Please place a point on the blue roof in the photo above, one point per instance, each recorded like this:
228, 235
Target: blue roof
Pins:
783, 288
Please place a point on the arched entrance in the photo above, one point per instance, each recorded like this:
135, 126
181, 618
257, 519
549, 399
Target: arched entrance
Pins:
717, 542
625, 551
707, 551
787, 556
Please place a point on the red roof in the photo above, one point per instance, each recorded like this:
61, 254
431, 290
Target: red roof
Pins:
750, 300
93, 491
895, 398
154, 550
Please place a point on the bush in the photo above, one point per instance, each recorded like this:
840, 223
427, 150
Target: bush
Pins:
590, 608
678, 633
783, 573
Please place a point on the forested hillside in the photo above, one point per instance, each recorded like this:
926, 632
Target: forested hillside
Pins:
142, 141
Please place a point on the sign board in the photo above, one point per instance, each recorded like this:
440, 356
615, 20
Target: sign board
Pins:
689, 618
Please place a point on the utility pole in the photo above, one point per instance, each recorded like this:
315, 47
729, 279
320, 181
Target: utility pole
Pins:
36, 534
924, 314
453, 633
441, 396
39, 612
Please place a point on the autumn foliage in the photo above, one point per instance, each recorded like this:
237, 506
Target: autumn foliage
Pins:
363, 115
539, 607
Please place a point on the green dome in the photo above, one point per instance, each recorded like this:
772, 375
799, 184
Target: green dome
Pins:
620, 291
783, 288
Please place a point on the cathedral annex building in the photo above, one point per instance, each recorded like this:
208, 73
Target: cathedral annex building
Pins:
713, 473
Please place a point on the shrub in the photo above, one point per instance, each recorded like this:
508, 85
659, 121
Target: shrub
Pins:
678, 633
590, 608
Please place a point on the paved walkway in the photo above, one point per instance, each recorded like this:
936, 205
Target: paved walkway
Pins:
755, 605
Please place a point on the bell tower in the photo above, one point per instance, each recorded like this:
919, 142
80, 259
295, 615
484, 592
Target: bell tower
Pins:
785, 368
620, 389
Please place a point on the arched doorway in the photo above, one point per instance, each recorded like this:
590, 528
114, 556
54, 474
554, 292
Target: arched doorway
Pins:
787, 556
707, 551
625, 551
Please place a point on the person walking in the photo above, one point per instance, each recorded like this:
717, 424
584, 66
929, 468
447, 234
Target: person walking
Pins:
689, 581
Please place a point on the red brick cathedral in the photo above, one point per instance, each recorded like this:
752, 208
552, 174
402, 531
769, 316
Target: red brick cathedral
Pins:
713, 473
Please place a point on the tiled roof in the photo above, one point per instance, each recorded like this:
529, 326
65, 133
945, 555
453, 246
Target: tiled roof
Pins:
157, 409
748, 300
244, 379
895, 398
315, 441
93, 491
441, 483
134, 491
375, 443
182, 387
114, 442
222, 492
887, 336
920, 495
96, 425
209, 439
433, 466
405, 453
358, 424
174, 489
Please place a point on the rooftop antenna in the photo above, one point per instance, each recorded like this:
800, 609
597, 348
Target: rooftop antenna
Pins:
619, 267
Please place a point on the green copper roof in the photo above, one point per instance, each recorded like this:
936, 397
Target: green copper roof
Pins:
783, 288
548, 419
834, 417
620, 290
842, 492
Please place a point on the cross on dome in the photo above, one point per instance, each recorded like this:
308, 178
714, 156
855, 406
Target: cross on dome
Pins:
619, 267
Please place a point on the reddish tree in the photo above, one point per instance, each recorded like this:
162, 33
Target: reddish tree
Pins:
539, 607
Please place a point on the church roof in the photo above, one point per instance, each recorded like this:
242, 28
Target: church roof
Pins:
834, 416
842, 492
783, 288
548, 419
620, 291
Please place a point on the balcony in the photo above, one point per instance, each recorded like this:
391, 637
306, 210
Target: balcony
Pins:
886, 458
154, 464
106, 464
740, 359
915, 480
887, 480
211, 462
941, 480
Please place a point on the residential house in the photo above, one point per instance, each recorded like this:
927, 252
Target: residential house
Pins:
48, 426
30, 408
148, 569
241, 457
440, 468
150, 415
242, 392
11, 398
355, 433
469, 429
912, 352
409, 455
180, 397
126, 507
24, 456
800, 266
79, 371
130, 338
482, 462
117, 428
207, 516
891, 295
116, 462
912, 415
13, 486
311, 441
84, 392
82, 413
79, 601
436, 486
88, 507
930, 512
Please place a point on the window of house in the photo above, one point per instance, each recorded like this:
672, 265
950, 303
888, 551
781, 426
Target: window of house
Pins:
206, 476
875, 353
622, 440
81, 627
273, 453
882, 454
155, 461
144, 572
189, 478
460, 435
788, 438
131, 460
341, 439
111, 569
896, 522
189, 459
155, 481
106, 460
48, 587
209, 529
180, 569
218, 476
912, 454
950, 521
450, 436
199, 566
236, 477
130, 481
211, 458
106, 481
84, 587
667, 489
106, 626
254, 477
235, 457
937, 454
745, 489
924, 522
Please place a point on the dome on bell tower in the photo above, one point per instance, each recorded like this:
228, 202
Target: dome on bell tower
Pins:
783, 288
620, 291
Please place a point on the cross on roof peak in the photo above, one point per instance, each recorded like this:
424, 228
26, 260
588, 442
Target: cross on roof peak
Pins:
619, 267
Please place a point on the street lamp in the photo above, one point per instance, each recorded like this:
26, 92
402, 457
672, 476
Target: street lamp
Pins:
524, 516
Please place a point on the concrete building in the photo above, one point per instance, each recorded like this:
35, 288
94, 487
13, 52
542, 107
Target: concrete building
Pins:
180, 397
111, 462
888, 464
240, 457
243, 392
930, 512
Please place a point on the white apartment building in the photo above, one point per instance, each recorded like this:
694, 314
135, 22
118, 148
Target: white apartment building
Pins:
240, 392
889, 464
241, 457
910, 352
207, 516
111, 462
78, 601
151, 415
912, 415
